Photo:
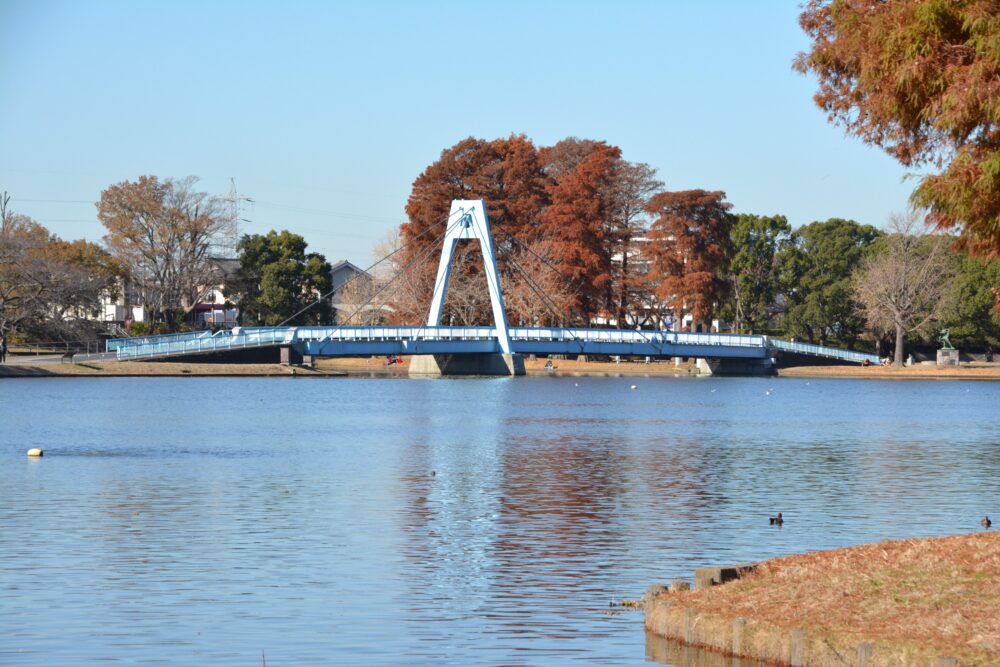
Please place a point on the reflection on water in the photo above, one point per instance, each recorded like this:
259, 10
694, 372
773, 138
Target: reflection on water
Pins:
204, 520
669, 652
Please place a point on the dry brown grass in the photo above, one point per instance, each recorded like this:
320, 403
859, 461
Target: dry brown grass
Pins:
938, 596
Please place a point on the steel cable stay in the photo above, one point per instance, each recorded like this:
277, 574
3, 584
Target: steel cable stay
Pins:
413, 260
657, 345
367, 271
546, 300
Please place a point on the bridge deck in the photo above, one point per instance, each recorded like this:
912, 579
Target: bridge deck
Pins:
381, 340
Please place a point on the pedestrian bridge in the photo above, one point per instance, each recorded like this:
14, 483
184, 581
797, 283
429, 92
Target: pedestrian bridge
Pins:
334, 341
496, 349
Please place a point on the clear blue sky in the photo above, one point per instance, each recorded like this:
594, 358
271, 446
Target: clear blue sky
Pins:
325, 112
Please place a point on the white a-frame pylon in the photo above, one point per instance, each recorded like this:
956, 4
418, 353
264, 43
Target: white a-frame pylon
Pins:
468, 220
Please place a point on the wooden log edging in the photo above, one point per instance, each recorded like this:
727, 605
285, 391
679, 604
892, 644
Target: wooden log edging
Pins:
668, 616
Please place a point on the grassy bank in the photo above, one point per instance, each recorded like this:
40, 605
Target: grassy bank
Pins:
913, 601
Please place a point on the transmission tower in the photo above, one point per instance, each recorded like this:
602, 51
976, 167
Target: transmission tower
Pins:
236, 202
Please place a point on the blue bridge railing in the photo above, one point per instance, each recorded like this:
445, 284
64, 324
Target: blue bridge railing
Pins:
411, 340
822, 351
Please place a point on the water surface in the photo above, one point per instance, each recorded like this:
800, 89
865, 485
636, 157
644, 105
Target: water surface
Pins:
474, 521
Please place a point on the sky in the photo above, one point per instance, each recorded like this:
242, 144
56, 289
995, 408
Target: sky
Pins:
323, 113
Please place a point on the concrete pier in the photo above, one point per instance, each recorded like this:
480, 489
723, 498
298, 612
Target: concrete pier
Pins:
735, 366
431, 365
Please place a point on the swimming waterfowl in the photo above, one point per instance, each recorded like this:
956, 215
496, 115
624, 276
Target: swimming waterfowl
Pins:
777, 520
986, 522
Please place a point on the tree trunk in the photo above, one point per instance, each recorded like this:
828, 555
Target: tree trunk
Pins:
898, 357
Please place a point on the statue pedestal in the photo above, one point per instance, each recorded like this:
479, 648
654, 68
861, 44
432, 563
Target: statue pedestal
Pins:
947, 357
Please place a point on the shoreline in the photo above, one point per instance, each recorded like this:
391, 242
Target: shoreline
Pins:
375, 367
916, 602
972, 371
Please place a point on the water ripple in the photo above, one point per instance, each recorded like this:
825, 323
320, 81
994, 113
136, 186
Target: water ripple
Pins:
205, 520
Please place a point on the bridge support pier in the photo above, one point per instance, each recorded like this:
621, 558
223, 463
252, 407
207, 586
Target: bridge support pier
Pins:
289, 355
735, 366
431, 365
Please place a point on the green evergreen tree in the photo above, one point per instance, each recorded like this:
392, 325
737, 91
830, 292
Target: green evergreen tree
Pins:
816, 270
277, 278
753, 272
972, 318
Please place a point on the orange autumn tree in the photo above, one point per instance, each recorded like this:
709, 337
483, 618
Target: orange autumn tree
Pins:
534, 234
625, 195
921, 80
508, 175
575, 224
690, 243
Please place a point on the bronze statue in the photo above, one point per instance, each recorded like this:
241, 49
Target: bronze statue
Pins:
945, 340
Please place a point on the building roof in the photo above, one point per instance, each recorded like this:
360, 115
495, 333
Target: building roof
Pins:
228, 265
345, 264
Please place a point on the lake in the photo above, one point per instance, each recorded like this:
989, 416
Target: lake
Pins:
451, 521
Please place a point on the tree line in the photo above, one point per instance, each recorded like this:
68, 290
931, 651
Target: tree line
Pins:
620, 250
583, 238
162, 249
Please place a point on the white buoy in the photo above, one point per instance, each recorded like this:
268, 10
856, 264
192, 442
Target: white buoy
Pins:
35, 451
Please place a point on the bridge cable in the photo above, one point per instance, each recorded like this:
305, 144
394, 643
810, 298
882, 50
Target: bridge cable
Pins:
366, 271
658, 346
441, 276
421, 257
548, 301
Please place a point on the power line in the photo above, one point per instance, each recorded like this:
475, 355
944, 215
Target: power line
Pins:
53, 201
320, 212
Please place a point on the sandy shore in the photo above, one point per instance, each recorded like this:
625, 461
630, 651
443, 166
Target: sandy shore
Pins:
531, 366
158, 369
973, 371
364, 367
913, 601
